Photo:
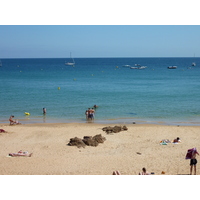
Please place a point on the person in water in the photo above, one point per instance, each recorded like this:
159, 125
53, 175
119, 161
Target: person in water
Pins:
44, 111
95, 106
91, 114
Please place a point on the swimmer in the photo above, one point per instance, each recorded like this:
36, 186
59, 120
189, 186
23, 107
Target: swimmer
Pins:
44, 111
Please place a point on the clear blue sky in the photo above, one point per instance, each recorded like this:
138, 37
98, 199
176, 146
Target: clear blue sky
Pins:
99, 41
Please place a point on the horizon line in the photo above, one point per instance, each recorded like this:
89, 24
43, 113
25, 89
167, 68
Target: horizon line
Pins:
100, 57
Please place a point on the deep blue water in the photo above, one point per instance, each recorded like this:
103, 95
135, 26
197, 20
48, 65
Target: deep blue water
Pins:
154, 94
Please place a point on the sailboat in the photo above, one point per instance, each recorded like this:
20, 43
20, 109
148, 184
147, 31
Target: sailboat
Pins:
70, 63
194, 64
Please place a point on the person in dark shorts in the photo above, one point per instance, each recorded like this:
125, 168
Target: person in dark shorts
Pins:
193, 162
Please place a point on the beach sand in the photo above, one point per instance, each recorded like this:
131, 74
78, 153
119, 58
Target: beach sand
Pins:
127, 151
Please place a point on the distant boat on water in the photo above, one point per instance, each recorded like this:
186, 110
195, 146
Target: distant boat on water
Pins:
193, 64
70, 63
172, 67
138, 66
126, 66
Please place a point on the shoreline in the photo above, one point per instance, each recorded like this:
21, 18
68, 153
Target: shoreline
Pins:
107, 121
127, 151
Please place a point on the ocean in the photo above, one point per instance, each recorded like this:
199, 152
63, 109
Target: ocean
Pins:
155, 94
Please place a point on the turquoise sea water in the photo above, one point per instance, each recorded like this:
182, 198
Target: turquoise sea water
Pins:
152, 95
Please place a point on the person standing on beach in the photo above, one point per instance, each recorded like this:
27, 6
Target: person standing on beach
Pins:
193, 162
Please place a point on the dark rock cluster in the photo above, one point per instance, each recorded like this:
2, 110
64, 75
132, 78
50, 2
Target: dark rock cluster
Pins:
114, 129
87, 140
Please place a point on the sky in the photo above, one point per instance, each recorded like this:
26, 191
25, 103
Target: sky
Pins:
57, 41
105, 29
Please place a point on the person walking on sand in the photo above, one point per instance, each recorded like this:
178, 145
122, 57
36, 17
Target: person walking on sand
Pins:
193, 161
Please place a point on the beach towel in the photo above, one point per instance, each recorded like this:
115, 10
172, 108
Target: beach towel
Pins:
164, 142
190, 153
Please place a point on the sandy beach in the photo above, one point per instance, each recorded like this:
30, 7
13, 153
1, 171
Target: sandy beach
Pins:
126, 151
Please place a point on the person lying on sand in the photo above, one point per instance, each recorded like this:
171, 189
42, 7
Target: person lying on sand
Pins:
177, 140
144, 172
21, 153
12, 122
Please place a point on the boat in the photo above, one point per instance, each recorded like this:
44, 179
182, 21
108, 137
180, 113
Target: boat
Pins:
193, 64
138, 66
142, 67
70, 63
172, 67
126, 66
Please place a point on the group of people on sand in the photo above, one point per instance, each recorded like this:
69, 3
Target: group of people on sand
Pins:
13, 122
190, 155
144, 172
89, 113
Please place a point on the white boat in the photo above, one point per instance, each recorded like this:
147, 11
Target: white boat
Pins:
172, 67
70, 63
193, 64
126, 66
138, 66
142, 67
